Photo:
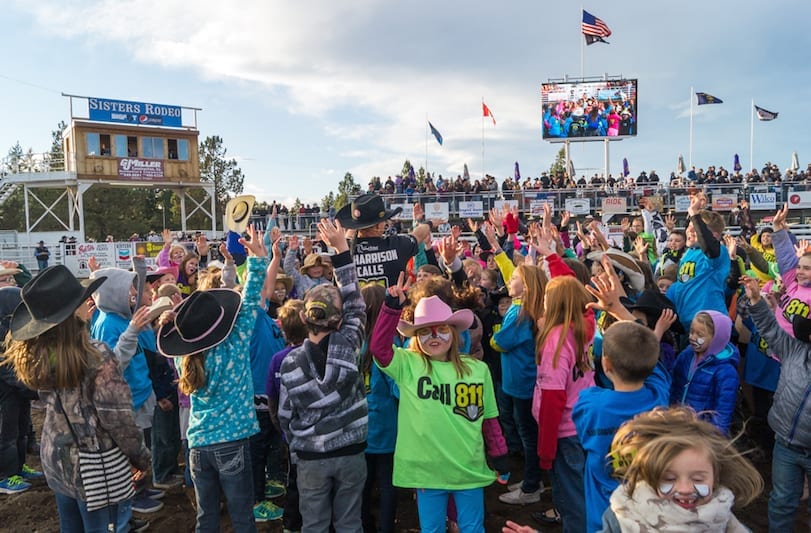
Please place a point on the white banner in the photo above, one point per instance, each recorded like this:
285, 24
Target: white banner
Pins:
763, 201
613, 205
536, 206
578, 206
470, 210
436, 210
406, 214
799, 199
724, 202
499, 204
104, 252
682, 203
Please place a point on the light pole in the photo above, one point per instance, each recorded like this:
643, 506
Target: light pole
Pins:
163, 214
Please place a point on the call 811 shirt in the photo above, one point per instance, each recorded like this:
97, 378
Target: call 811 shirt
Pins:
439, 438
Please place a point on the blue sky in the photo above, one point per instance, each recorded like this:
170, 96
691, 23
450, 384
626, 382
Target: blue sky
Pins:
305, 91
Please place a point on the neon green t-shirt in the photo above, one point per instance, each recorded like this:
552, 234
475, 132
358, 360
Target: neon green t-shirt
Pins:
439, 423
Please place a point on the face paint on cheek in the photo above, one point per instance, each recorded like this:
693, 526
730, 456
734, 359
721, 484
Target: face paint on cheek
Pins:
700, 491
444, 337
697, 342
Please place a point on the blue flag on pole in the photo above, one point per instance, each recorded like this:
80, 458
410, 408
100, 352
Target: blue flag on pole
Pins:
736, 164
705, 98
435, 133
625, 168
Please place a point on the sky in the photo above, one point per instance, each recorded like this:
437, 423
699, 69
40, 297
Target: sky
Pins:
303, 92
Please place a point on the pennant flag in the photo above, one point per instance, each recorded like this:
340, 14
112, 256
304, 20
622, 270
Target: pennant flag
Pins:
680, 168
571, 169
704, 98
594, 29
795, 162
736, 164
517, 172
466, 173
487, 113
625, 168
435, 133
765, 115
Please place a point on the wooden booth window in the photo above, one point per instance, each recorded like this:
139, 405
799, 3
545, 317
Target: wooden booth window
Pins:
126, 146
153, 147
178, 149
98, 144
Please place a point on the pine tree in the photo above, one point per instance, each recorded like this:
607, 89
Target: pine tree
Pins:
224, 173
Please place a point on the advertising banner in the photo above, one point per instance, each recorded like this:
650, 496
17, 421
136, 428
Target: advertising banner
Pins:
436, 210
763, 201
578, 206
140, 169
536, 206
724, 202
500, 204
614, 205
104, 110
470, 210
800, 199
406, 214
682, 203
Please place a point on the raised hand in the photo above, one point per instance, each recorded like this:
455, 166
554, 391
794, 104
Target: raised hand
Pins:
670, 222
93, 264
399, 291
333, 234
779, 220
495, 217
293, 243
202, 245
666, 319
731, 246
419, 213
473, 225
456, 231
447, 249
608, 291
167, 236
801, 248
254, 243
641, 248
698, 202
565, 216
625, 224
140, 319
223, 249
490, 235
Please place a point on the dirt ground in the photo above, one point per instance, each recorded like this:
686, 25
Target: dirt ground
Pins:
34, 511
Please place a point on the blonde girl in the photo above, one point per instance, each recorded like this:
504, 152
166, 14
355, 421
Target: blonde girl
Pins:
564, 369
679, 473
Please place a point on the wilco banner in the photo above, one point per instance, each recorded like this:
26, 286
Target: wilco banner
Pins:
613, 205
799, 199
578, 206
763, 201
724, 202
104, 110
143, 169
470, 210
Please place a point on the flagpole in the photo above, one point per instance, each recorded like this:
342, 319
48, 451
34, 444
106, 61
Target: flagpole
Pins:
426, 144
482, 138
690, 156
752, 136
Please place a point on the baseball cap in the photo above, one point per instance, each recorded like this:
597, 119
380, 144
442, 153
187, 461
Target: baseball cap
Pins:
322, 306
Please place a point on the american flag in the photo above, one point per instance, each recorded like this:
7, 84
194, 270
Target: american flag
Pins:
593, 28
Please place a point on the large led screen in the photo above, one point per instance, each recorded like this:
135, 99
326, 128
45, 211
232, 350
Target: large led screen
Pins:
586, 111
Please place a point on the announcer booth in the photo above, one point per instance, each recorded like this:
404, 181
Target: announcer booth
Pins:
119, 143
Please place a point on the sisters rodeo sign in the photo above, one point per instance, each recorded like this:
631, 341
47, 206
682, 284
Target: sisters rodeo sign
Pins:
104, 110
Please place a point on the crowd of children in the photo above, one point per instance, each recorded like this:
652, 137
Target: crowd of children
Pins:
622, 378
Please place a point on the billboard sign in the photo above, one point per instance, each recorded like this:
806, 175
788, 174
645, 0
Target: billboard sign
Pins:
613, 205
586, 111
140, 169
801, 199
436, 211
104, 110
763, 201
724, 202
470, 210
578, 206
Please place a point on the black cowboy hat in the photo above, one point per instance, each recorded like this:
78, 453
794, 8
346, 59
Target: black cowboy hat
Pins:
48, 300
652, 303
202, 321
365, 211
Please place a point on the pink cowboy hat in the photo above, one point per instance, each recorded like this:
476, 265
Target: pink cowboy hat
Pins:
432, 311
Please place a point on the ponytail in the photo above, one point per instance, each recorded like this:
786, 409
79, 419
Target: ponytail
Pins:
192, 373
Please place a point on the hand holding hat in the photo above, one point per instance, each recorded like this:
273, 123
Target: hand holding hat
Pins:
254, 243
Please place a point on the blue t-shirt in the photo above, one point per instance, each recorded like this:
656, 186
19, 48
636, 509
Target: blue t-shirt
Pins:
597, 415
759, 369
381, 398
516, 341
699, 285
267, 339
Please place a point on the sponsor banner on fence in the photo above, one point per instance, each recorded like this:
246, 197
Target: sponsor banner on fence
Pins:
578, 206
107, 255
613, 205
681, 203
436, 210
800, 199
511, 204
536, 206
762, 201
406, 214
470, 210
724, 202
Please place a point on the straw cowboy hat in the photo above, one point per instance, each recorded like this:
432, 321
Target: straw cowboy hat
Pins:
312, 260
164, 303
365, 211
624, 263
202, 321
286, 280
238, 213
48, 300
432, 311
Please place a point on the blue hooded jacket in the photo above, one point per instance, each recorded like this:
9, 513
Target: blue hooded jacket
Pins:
712, 385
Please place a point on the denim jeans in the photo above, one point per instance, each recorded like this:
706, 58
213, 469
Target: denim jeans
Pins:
15, 414
260, 445
528, 431
505, 417
432, 506
332, 489
790, 465
568, 492
292, 516
165, 442
379, 470
75, 518
225, 466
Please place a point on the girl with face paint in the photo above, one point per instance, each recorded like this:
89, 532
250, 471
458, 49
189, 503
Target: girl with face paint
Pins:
678, 474
705, 375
